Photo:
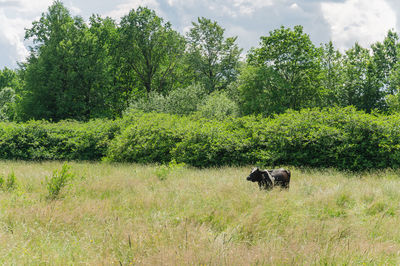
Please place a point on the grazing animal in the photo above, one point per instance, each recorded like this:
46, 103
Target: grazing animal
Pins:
267, 179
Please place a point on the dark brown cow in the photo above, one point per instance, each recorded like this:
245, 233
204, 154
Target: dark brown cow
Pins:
267, 179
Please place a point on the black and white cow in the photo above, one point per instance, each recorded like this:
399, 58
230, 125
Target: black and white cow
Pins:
267, 179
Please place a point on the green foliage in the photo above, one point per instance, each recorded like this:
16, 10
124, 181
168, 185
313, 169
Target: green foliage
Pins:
260, 91
293, 67
98, 69
362, 87
58, 181
7, 104
153, 102
69, 71
162, 171
212, 59
342, 138
185, 101
11, 182
393, 103
161, 138
181, 101
218, 106
148, 138
213, 143
9, 78
67, 140
332, 78
150, 49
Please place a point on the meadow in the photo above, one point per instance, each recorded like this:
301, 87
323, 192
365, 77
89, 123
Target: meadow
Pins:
133, 214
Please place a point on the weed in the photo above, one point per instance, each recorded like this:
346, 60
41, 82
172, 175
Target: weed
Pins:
58, 180
11, 182
1, 181
163, 171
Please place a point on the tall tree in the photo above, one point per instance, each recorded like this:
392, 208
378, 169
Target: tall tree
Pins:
362, 86
212, 58
67, 74
260, 91
9, 78
331, 61
294, 58
385, 58
150, 49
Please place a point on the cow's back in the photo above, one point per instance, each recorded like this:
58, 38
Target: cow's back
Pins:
282, 177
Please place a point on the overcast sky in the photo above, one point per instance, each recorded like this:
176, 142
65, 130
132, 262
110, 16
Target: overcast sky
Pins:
342, 21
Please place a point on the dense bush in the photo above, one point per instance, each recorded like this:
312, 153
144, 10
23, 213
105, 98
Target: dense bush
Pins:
337, 137
342, 138
218, 106
147, 138
181, 101
68, 140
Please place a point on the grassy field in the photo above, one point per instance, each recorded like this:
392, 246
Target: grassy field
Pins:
132, 214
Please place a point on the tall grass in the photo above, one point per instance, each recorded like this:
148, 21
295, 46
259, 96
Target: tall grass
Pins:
122, 213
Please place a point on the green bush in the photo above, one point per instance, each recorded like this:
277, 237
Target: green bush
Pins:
219, 106
147, 138
342, 138
338, 137
181, 101
154, 102
67, 140
185, 101
58, 180
8, 184
11, 182
213, 143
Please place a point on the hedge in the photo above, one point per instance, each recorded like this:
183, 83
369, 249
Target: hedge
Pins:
342, 138
67, 140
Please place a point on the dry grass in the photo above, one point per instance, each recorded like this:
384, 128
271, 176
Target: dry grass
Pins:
120, 213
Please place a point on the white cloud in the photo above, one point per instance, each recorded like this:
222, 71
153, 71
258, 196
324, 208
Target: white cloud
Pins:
248, 7
15, 16
11, 34
295, 6
26, 6
232, 8
358, 20
123, 9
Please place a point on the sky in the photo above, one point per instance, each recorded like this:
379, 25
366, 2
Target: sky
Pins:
342, 21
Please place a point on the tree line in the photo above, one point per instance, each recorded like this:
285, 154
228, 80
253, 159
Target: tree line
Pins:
102, 68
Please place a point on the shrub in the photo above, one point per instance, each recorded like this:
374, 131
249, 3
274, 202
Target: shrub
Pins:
2, 181
185, 101
66, 140
181, 101
342, 138
147, 138
154, 102
218, 106
11, 182
8, 184
58, 180
162, 171
7, 104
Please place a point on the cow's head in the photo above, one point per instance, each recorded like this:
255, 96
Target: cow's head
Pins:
255, 175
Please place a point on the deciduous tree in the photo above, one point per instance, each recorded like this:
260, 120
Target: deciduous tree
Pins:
213, 60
